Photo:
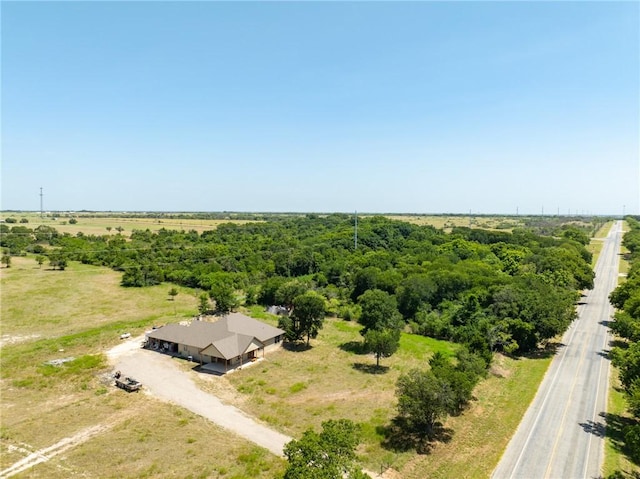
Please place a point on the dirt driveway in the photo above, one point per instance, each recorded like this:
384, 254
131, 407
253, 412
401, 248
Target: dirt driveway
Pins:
161, 377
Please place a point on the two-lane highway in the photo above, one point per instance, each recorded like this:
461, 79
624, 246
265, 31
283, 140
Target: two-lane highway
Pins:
562, 434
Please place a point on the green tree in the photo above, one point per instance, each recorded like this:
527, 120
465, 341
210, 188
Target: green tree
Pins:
288, 291
225, 298
378, 311
423, 399
40, 259
173, 292
203, 303
327, 455
73, 221
57, 259
6, 260
308, 314
383, 343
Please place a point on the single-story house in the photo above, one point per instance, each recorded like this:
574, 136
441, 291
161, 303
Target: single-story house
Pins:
231, 340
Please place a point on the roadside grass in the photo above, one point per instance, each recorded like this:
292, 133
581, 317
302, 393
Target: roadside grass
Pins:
483, 431
595, 245
604, 230
617, 415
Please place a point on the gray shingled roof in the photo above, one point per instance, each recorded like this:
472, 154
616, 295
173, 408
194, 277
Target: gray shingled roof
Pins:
231, 334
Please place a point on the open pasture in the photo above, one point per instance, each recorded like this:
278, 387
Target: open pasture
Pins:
447, 222
80, 313
97, 225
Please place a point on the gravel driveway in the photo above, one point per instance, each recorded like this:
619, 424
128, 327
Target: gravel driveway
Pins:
162, 378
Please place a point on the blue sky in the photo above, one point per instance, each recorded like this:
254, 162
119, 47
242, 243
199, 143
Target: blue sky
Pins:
420, 107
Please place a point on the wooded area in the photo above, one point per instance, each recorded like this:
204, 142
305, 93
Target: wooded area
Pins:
626, 355
491, 290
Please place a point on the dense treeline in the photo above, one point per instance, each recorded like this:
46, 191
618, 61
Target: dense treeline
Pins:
492, 290
626, 299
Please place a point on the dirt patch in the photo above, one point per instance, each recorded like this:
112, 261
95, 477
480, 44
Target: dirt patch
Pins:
7, 339
43, 455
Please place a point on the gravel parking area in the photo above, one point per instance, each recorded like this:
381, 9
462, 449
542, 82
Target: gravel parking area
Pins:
162, 378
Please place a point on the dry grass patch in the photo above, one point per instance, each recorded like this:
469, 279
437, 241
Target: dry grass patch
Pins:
482, 432
98, 225
40, 302
447, 222
295, 390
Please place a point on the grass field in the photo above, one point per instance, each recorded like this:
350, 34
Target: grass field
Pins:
447, 222
80, 313
91, 225
295, 390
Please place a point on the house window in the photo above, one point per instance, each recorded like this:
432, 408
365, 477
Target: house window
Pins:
278, 338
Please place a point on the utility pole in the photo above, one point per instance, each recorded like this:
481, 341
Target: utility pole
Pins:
355, 234
41, 209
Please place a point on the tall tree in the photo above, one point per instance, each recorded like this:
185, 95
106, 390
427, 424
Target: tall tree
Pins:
423, 399
225, 298
308, 314
173, 292
379, 311
203, 303
383, 343
327, 455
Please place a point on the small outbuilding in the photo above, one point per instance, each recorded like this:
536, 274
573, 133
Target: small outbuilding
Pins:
231, 340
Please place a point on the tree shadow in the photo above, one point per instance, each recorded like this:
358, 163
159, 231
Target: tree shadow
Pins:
355, 347
370, 368
615, 430
547, 351
604, 353
605, 323
399, 436
598, 429
618, 343
296, 346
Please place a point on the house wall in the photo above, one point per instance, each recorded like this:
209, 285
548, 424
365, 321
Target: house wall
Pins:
272, 344
186, 351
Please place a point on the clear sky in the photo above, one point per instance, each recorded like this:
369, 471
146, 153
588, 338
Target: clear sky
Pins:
417, 107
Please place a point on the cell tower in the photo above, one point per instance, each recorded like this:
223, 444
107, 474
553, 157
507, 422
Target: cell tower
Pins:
41, 208
355, 233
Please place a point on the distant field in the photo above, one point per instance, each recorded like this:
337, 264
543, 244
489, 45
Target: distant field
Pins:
447, 222
98, 225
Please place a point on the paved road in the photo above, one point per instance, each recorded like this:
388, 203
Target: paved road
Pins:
562, 433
